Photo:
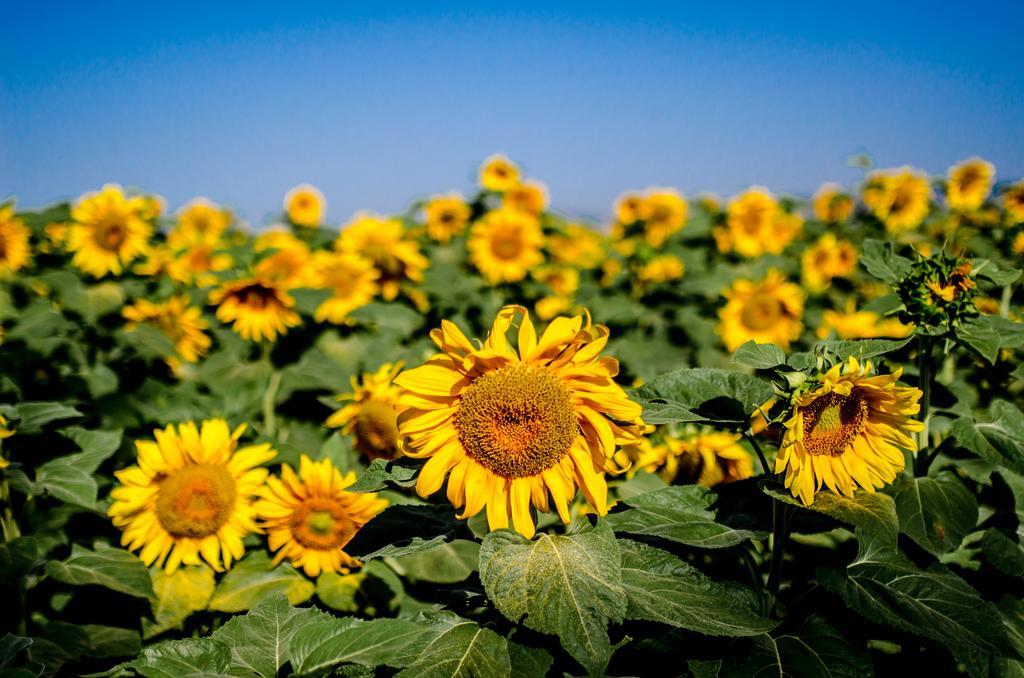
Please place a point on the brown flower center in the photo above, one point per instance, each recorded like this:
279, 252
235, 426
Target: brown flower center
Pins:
762, 312
322, 524
256, 296
111, 235
832, 422
376, 429
506, 244
517, 421
196, 500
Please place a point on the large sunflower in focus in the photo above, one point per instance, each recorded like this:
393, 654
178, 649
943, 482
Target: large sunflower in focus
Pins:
505, 245
309, 517
110, 230
258, 308
14, 250
370, 413
383, 242
190, 495
968, 184
768, 312
513, 427
849, 431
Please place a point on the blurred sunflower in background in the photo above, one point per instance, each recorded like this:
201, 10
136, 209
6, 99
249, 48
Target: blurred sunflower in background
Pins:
181, 323
197, 264
530, 197
370, 413
661, 269
577, 246
826, 259
384, 243
848, 430
446, 216
968, 184
109, 230
832, 204
768, 311
510, 426
707, 458
286, 259
755, 224
14, 248
899, 198
505, 245
190, 495
4, 431
259, 309
629, 208
351, 280
309, 517
499, 174
664, 212
199, 222
853, 324
1013, 203
305, 206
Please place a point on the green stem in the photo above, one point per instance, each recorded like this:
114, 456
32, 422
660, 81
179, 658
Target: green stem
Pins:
269, 418
760, 455
1004, 303
780, 537
925, 378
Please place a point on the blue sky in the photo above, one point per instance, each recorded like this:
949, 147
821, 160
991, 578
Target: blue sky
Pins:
380, 105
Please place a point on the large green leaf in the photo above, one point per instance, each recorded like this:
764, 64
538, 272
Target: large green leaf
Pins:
1000, 440
96, 447
321, 645
193, 657
569, 586
62, 479
879, 259
178, 595
660, 587
32, 417
981, 335
252, 579
1004, 551
448, 563
680, 513
460, 649
402, 529
110, 567
759, 356
703, 394
936, 512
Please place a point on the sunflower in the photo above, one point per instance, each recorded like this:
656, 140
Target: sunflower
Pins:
498, 173
767, 311
511, 426
287, 263
446, 216
826, 259
530, 197
561, 280
704, 458
661, 269
182, 324
628, 208
258, 308
755, 225
200, 221
4, 431
305, 206
198, 265
505, 245
900, 198
832, 204
309, 517
383, 241
351, 280
848, 431
1013, 203
577, 246
370, 414
110, 230
1018, 244
14, 250
663, 211
968, 184
853, 324
190, 495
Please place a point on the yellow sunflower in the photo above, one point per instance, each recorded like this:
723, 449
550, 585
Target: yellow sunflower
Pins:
826, 259
200, 221
577, 246
510, 427
309, 517
628, 208
663, 211
384, 242
853, 324
14, 250
832, 204
190, 495
968, 184
704, 458
110, 230
4, 431
661, 269
370, 413
768, 311
446, 216
498, 173
505, 245
258, 308
351, 280
184, 325
1013, 203
305, 206
900, 198
287, 263
530, 197
1018, 244
198, 265
849, 431
561, 280
756, 224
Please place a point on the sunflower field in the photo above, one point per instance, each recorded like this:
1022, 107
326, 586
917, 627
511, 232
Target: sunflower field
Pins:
745, 437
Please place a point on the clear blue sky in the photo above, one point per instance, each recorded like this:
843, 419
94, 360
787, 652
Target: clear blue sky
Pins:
377, 105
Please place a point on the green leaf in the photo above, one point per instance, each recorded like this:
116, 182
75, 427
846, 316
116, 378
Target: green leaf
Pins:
62, 479
11, 647
194, 657
260, 640
1003, 551
529, 661
986, 268
662, 588
96, 446
980, 335
569, 586
402, 529
252, 579
999, 440
679, 513
17, 557
32, 417
321, 645
703, 395
381, 473
880, 261
937, 513
759, 356
178, 595
110, 567
447, 563
460, 649
338, 591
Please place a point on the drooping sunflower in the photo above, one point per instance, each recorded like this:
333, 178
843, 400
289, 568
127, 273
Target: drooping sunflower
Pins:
510, 427
768, 311
498, 173
832, 204
199, 222
853, 324
848, 431
14, 249
259, 308
1013, 203
309, 517
530, 197
505, 245
446, 216
110, 230
968, 184
826, 259
183, 324
383, 241
351, 280
305, 206
190, 495
664, 212
370, 413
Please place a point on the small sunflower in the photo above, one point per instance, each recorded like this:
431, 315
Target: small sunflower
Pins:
383, 241
199, 222
370, 413
756, 224
703, 458
505, 245
826, 259
184, 325
849, 431
287, 261
198, 264
510, 427
832, 204
498, 173
309, 517
446, 216
351, 280
853, 324
1013, 203
663, 211
305, 206
900, 198
561, 280
768, 311
530, 197
661, 269
14, 249
110, 230
968, 184
190, 495
577, 246
628, 208
258, 308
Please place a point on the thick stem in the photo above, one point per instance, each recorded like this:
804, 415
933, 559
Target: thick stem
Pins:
925, 378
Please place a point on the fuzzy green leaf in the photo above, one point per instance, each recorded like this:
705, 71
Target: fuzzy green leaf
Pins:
110, 567
252, 579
